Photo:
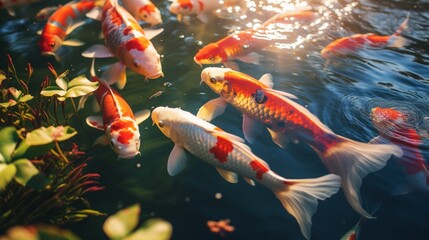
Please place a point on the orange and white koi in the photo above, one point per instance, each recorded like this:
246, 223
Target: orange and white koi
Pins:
243, 45
118, 121
127, 41
286, 120
143, 10
231, 156
347, 45
200, 8
9, 5
62, 22
394, 127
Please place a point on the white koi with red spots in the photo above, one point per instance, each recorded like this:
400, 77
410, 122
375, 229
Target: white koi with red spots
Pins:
118, 121
231, 156
127, 41
143, 10
200, 8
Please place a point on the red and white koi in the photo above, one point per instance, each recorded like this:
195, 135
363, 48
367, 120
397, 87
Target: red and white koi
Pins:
243, 45
118, 121
347, 45
394, 127
62, 22
286, 120
231, 156
200, 8
143, 10
9, 5
127, 41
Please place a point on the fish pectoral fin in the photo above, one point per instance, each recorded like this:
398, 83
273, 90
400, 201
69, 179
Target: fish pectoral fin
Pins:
249, 181
11, 11
250, 58
267, 79
279, 138
251, 129
212, 109
73, 43
230, 64
142, 115
176, 161
82, 101
40, 32
74, 26
95, 122
229, 176
101, 141
97, 51
95, 14
203, 17
115, 73
379, 140
151, 33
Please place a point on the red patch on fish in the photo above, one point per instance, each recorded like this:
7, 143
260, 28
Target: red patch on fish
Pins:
125, 136
186, 4
127, 30
148, 8
222, 149
120, 125
259, 168
137, 43
201, 4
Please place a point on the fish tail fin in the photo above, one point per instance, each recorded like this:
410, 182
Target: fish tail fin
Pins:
396, 40
403, 26
299, 197
352, 161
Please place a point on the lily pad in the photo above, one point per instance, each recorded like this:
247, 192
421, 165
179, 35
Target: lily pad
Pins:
42, 136
7, 172
122, 223
8, 139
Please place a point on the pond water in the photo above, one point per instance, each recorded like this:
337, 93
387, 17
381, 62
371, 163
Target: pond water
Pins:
341, 94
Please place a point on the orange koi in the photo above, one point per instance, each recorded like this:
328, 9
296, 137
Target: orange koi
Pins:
231, 156
118, 121
353, 43
393, 127
200, 8
286, 120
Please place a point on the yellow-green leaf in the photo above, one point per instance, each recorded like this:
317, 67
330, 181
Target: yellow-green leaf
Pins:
26, 98
7, 172
25, 170
120, 224
52, 90
153, 229
44, 135
8, 140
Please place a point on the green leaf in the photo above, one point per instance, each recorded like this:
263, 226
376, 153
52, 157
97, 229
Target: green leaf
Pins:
8, 139
122, 223
8, 104
54, 233
153, 229
81, 81
79, 91
24, 150
25, 170
42, 136
26, 98
52, 90
2, 76
61, 81
7, 172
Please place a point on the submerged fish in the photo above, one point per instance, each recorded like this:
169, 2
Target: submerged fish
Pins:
393, 127
127, 41
10, 5
231, 156
46, 12
62, 22
143, 10
286, 120
353, 43
118, 122
200, 8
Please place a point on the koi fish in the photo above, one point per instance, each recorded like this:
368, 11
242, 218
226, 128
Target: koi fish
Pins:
355, 42
243, 45
295, 16
231, 156
62, 22
118, 122
286, 120
143, 10
127, 41
393, 127
46, 12
200, 8
9, 5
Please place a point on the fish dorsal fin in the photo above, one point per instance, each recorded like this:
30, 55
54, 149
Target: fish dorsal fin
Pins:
101, 140
267, 79
142, 115
115, 73
97, 51
73, 27
176, 161
212, 109
251, 129
151, 33
229, 176
249, 181
95, 122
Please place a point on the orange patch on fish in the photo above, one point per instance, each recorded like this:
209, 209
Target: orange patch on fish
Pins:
148, 8
259, 168
125, 136
120, 125
185, 4
222, 149
127, 30
201, 4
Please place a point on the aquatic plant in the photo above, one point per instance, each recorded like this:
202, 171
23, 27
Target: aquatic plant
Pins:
42, 176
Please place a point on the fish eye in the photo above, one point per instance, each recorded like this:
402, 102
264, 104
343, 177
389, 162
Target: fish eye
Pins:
160, 124
144, 16
136, 64
211, 59
52, 44
213, 80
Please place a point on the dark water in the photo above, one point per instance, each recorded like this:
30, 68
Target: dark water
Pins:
341, 94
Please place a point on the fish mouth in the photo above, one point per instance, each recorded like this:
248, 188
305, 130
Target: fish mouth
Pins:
48, 54
131, 155
155, 76
198, 62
